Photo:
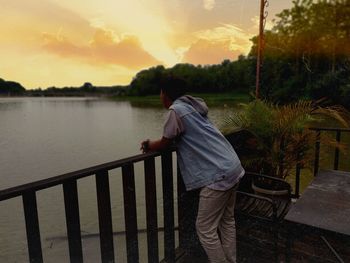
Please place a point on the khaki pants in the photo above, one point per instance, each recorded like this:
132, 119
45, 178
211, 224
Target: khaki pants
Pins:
216, 213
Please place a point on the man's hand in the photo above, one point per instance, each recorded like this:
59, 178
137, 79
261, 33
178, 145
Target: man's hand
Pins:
158, 145
145, 146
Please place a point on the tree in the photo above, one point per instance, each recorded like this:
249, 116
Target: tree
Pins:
308, 41
10, 87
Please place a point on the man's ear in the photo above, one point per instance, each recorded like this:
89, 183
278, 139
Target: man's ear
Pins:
167, 101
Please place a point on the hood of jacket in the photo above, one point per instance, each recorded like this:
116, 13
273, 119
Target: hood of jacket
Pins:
197, 103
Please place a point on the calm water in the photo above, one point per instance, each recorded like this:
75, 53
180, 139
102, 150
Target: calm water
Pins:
44, 137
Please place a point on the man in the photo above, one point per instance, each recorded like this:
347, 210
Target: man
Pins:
207, 161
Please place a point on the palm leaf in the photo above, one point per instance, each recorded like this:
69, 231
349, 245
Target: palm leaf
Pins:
281, 132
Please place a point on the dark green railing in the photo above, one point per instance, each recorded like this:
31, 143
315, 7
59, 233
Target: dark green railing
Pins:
318, 131
100, 172
185, 201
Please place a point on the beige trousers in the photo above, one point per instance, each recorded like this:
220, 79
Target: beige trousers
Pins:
216, 214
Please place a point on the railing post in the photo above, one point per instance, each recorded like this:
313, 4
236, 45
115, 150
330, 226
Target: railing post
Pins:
336, 155
317, 152
151, 210
297, 177
32, 227
105, 216
72, 220
181, 207
132, 248
168, 207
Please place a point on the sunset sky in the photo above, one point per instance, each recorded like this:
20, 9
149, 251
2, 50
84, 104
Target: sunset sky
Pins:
106, 42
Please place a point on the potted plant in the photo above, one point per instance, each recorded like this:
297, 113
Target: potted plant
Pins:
276, 138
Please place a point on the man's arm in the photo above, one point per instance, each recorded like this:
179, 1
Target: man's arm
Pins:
157, 145
172, 129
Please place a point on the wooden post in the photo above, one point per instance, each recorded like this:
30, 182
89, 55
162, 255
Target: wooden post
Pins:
260, 46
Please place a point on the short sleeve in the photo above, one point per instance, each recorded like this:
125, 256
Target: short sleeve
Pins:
173, 126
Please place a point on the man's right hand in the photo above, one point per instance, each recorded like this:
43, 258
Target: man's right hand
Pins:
145, 146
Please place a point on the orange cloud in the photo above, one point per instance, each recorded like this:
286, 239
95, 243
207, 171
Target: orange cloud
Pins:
208, 52
104, 49
214, 45
63, 47
235, 36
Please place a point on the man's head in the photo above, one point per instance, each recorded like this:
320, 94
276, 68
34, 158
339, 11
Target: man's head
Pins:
171, 88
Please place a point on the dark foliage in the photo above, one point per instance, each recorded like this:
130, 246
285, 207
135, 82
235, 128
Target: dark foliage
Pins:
10, 88
307, 53
227, 76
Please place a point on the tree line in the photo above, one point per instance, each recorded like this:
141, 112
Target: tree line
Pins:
307, 53
87, 89
225, 77
11, 88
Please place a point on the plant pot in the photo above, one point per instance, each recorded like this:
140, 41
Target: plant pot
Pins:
266, 191
270, 188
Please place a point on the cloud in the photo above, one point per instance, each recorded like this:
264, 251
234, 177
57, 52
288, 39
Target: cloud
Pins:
30, 18
236, 36
207, 52
63, 47
78, 37
105, 48
208, 4
214, 45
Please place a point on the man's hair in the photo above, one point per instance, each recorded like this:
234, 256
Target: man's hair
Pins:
174, 87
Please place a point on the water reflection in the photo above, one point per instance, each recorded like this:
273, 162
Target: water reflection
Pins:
9, 104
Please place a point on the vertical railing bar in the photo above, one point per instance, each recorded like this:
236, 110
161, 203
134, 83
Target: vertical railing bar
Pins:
151, 210
168, 207
180, 205
105, 216
317, 152
130, 213
32, 227
71, 204
297, 177
281, 161
336, 154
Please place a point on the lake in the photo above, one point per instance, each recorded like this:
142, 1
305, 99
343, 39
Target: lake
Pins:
45, 137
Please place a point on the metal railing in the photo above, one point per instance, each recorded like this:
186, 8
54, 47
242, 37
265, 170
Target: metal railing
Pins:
338, 132
101, 173
70, 193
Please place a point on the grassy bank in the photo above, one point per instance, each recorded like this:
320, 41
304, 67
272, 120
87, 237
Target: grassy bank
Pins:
212, 99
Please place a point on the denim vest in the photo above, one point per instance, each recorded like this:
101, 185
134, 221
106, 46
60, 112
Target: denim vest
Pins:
204, 155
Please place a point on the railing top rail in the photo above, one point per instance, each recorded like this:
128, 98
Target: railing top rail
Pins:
329, 129
57, 180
